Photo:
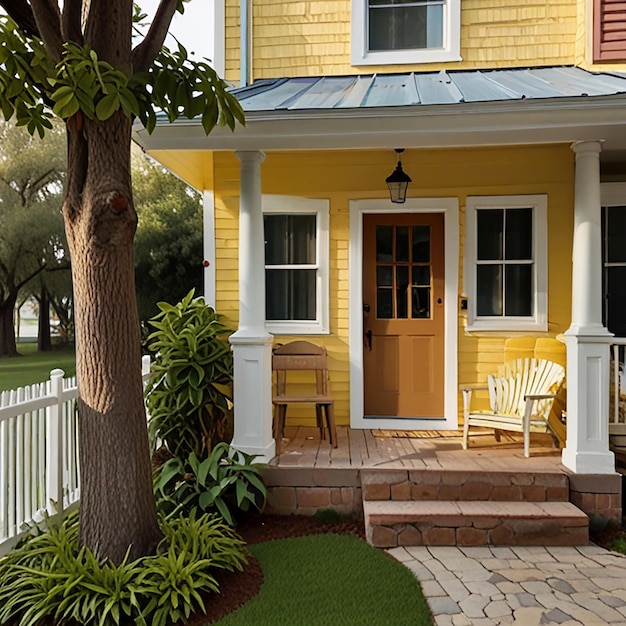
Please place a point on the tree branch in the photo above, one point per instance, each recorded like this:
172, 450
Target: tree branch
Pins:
21, 13
32, 275
71, 21
48, 18
145, 53
32, 187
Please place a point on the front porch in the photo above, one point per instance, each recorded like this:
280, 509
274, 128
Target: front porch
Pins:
426, 489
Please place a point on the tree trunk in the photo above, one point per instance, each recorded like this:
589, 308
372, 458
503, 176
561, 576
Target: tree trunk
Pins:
8, 347
44, 340
117, 503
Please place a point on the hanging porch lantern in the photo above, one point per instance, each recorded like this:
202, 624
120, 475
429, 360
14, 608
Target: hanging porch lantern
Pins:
398, 181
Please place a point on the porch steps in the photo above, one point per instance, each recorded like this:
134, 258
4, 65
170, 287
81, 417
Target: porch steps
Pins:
470, 508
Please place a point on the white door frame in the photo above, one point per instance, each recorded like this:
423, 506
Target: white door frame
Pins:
450, 209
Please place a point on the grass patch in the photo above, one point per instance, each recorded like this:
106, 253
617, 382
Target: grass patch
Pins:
331, 580
34, 367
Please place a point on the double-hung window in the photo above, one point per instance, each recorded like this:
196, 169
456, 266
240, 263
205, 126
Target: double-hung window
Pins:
614, 257
506, 262
405, 31
296, 264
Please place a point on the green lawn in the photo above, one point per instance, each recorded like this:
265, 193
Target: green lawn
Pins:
34, 367
331, 580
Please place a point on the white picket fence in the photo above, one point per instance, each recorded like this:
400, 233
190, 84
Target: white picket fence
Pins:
39, 469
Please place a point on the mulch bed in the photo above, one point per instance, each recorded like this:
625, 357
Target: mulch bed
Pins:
237, 588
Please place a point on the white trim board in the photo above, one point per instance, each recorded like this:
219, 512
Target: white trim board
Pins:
450, 208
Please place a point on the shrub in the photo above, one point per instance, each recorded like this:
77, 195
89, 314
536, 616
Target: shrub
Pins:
189, 394
227, 482
49, 577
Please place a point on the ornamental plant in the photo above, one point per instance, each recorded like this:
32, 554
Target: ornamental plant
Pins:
48, 578
189, 393
227, 482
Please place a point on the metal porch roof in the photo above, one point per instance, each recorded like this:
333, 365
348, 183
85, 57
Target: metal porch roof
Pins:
429, 88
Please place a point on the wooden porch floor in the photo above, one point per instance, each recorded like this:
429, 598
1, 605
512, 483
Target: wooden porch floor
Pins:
437, 450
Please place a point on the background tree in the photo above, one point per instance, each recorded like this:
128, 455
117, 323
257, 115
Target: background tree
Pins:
52, 290
169, 240
79, 61
31, 224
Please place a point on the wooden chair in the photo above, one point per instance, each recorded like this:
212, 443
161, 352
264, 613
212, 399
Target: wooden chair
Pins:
520, 399
301, 356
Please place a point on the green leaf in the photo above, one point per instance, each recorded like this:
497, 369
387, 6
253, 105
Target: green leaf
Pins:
223, 509
107, 106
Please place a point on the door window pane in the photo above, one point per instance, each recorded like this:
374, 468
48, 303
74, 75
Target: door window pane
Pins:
421, 302
402, 285
290, 294
403, 272
421, 275
384, 243
402, 244
384, 303
384, 276
421, 244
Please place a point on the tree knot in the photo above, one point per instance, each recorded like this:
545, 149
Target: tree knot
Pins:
118, 202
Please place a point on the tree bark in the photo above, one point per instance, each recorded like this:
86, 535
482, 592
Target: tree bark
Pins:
117, 503
8, 346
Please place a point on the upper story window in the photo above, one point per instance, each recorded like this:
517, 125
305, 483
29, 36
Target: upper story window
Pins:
296, 264
386, 32
609, 31
506, 263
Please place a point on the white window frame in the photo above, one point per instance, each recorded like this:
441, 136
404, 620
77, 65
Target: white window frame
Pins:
320, 207
451, 50
539, 320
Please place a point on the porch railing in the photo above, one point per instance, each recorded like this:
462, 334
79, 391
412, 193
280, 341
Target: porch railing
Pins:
39, 468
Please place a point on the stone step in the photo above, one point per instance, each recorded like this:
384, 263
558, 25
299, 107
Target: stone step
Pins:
470, 523
497, 486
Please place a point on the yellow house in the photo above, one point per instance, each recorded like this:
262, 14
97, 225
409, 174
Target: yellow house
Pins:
510, 120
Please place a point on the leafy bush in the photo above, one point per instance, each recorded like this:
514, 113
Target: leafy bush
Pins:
227, 482
189, 394
618, 544
49, 576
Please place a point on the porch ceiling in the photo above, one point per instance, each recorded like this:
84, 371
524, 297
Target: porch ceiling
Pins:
413, 110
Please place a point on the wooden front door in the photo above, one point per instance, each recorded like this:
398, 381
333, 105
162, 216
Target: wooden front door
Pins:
403, 315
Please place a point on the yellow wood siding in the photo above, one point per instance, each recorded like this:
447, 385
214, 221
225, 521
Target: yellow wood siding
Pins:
342, 176
312, 37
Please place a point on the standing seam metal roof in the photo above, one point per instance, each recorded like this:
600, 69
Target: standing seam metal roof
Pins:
429, 88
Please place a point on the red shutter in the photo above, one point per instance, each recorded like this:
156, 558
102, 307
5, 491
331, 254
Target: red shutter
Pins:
609, 31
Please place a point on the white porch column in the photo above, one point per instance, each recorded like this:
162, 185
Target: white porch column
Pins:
587, 447
252, 344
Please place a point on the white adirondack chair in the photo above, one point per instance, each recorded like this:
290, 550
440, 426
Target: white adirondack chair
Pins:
520, 399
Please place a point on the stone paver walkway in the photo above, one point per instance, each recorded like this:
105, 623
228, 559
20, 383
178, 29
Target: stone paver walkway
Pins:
494, 586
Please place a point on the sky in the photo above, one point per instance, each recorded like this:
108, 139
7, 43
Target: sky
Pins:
193, 28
